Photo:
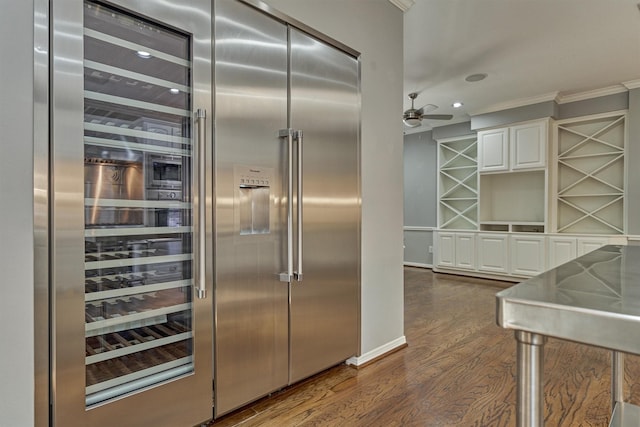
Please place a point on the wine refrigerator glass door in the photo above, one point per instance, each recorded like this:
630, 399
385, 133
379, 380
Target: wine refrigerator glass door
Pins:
131, 324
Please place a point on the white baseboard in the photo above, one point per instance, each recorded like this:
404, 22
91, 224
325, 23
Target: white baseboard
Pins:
417, 264
480, 274
377, 352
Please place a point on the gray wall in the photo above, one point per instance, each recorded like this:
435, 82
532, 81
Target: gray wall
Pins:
420, 180
16, 216
420, 197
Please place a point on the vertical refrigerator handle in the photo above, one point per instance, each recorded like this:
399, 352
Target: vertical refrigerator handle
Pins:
288, 134
298, 273
201, 116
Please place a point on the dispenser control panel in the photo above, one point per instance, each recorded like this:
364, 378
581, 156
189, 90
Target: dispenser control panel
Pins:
254, 195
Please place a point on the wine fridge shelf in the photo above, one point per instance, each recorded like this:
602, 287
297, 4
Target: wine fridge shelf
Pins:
117, 344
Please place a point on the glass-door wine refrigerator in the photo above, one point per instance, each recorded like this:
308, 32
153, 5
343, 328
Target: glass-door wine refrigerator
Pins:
131, 340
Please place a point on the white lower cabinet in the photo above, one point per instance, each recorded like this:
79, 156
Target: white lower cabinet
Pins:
527, 255
561, 250
588, 244
514, 255
446, 247
493, 253
465, 251
456, 250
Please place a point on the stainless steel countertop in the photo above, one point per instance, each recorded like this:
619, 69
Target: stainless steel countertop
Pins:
594, 299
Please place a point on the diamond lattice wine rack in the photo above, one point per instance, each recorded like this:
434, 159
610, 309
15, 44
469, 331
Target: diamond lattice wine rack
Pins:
590, 184
458, 184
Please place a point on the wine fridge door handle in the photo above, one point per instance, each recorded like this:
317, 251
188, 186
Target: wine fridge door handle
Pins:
201, 117
288, 134
298, 273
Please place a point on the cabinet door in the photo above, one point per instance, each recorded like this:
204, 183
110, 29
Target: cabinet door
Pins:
465, 251
528, 145
446, 249
493, 153
561, 250
527, 255
493, 255
588, 244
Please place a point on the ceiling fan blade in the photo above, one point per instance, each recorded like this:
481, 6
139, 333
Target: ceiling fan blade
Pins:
428, 108
437, 116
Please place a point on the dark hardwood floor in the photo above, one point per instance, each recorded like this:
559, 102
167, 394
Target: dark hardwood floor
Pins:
457, 370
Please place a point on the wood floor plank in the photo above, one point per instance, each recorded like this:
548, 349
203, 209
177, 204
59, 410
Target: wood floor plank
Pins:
458, 370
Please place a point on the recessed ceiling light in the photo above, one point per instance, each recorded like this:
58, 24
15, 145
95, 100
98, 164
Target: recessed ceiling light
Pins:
457, 104
476, 77
174, 91
143, 54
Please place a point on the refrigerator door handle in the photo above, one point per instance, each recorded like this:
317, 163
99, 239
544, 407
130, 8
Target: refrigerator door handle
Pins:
298, 273
201, 116
289, 134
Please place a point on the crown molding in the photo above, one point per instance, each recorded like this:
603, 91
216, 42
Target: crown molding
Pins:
632, 84
403, 5
516, 103
595, 93
560, 98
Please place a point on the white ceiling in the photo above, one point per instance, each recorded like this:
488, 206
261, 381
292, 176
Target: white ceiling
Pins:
532, 50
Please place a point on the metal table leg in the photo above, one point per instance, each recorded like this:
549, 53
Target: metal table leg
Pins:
617, 378
530, 403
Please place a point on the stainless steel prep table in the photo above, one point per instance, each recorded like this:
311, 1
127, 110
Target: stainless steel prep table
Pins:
594, 300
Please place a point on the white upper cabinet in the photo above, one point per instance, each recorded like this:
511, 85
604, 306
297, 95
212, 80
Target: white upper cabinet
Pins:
516, 147
528, 145
493, 150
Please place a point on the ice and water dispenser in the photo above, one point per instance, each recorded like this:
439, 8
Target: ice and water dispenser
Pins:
254, 185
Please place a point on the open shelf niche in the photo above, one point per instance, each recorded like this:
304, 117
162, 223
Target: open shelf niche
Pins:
458, 183
513, 201
590, 180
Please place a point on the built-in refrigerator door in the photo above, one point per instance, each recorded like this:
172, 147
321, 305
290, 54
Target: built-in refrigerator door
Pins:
251, 300
131, 319
325, 108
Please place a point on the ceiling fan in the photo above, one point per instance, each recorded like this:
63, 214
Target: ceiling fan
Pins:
413, 118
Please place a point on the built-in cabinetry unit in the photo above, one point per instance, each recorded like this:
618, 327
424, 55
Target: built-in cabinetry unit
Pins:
538, 194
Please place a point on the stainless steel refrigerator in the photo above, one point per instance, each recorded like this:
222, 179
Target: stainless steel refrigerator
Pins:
287, 214
131, 324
